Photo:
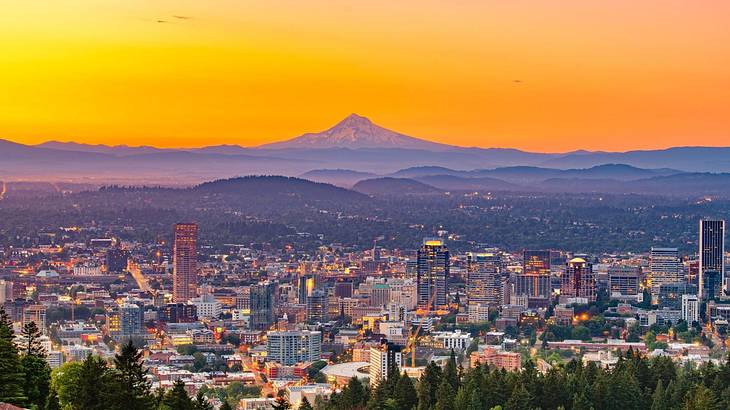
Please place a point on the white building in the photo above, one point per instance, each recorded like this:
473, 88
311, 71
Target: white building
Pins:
690, 308
290, 348
453, 340
381, 359
207, 306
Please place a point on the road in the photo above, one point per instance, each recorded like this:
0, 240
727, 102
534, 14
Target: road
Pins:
136, 273
3, 191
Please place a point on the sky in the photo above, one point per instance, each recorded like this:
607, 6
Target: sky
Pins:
536, 75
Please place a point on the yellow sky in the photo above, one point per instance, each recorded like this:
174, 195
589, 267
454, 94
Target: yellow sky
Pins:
609, 75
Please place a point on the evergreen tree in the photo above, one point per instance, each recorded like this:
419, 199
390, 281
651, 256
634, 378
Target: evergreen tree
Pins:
450, 372
52, 401
701, 398
93, 385
225, 406
11, 370
427, 386
31, 340
445, 396
134, 390
201, 403
281, 403
177, 398
305, 405
659, 399
519, 400
405, 393
37, 379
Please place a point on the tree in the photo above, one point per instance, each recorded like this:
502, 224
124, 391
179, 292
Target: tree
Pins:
305, 405
701, 398
519, 400
177, 398
31, 340
225, 406
134, 390
37, 379
445, 396
201, 403
11, 370
52, 401
405, 393
281, 403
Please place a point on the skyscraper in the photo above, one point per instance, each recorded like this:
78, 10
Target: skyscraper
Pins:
534, 281
317, 306
262, 304
382, 358
185, 266
432, 272
578, 282
712, 258
484, 279
290, 348
664, 269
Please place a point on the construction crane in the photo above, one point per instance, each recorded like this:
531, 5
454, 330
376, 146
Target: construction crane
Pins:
413, 335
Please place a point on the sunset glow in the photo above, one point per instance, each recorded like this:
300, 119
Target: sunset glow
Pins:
535, 75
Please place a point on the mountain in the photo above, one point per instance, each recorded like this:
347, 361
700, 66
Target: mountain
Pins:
456, 183
286, 189
704, 159
414, 172
394, 186
356, 132
345, 178
119, 150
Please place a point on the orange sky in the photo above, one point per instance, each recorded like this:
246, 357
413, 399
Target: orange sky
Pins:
610, 75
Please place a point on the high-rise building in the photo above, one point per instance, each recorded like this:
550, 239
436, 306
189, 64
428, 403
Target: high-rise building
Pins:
670, 294
307, 284
185, 266
578, 282
712, 258
382, 359
35, 313
534, 280
690, 308
623, 283
125, 320
6, 291
665, 268
206, 305
290, 348
262, 303
317, 306
178, 313
432, 272
484, 279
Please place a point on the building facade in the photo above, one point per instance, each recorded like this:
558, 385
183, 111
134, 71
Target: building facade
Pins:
185, 265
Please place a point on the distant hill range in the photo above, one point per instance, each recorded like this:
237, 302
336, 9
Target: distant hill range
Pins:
353, 150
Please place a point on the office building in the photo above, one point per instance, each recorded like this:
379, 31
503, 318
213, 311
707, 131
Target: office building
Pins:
317, 307
624, 283
690, 308
185, 266
206, 305
382, 358
712, 258
125, 320
290, 348
178, 313
578, 284
484, 279
670, 295
534, 280
6, 291
262, 305
664, 268
432, 273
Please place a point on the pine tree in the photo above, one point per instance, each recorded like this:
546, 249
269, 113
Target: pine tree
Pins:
52, 401
445, 396
31, 340
281, 403
405, 393
659, 399
305, 405
93, 385
11, 372
201, 403
519, 400
701, 398
427, 386
134, 390
37, 379
177, 398
225, 406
